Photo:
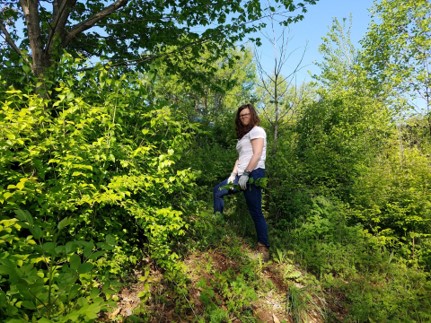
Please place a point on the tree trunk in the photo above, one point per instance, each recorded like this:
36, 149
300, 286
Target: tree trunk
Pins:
31, 14
277, 114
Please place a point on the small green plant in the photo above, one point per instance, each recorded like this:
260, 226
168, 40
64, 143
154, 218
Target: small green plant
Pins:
303, 303
297, 303
279, 256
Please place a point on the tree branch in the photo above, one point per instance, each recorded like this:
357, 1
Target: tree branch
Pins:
61, 12
150, 57
10, 41
79, 28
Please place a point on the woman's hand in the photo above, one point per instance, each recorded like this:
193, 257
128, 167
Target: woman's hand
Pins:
231, 178
242, 182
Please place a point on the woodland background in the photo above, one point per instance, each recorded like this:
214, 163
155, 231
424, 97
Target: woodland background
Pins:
116, 121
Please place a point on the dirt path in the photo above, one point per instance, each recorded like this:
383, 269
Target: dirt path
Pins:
203, 270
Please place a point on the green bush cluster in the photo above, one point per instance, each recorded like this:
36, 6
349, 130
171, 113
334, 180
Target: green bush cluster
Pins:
350, 196
88, 185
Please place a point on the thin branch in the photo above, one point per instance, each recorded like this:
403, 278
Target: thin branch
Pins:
268, 117
79, 28
147, 58
10, 41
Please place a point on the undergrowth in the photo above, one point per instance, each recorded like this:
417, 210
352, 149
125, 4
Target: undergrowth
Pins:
225, 281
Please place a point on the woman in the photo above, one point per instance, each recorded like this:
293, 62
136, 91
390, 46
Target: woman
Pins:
251, 148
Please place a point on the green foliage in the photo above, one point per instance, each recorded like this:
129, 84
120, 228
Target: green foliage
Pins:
131, 32
205, 230
415, 132
391, 292
393, 199
104, 172
230, 289
338, 135
396, 52
42, 278
356, 268
210, 91
322, 238
288, 194
213, 154
215, 164
339, 56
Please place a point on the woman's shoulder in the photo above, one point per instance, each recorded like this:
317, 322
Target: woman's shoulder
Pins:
257, 131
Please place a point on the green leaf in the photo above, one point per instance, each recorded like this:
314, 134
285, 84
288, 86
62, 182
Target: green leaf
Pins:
49, 247
44, 320
26, 68
24, 215
68, 279
28, 304
85, 268
110, 240
64, 223
20, 321
75, 262
36, 231
96, 255
70, 247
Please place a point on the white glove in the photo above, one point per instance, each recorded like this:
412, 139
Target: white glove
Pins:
231, 178
242, 182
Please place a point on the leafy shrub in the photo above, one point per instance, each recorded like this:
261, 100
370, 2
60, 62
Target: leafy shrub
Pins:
392, 292
47, 279
335, 136
374, 284
107, 168
393, 198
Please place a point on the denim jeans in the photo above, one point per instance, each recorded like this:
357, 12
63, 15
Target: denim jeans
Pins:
253, 198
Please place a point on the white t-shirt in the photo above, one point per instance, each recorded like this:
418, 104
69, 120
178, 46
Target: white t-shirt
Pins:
245, 149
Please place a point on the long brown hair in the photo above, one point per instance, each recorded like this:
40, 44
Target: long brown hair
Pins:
241, 130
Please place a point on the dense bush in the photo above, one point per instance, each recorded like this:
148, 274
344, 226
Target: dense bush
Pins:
350, 199
88, 184
393, 198
356, 269
337, 135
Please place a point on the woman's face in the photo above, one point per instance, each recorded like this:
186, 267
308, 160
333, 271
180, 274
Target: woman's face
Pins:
245, 116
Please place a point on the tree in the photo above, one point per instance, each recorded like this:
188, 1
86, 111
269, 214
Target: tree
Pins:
207, 92
344, 131
397, 53
124, 31
339, 55
280, 97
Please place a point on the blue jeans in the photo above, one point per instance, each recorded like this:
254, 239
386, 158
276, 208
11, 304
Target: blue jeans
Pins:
253, 198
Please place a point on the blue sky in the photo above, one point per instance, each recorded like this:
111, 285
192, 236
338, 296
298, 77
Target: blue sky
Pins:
312, 28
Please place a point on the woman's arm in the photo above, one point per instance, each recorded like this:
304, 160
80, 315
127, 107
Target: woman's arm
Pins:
257, 146
234, 173
235, 168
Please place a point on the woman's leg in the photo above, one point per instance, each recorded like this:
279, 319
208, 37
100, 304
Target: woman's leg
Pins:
253, 197
219, 192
